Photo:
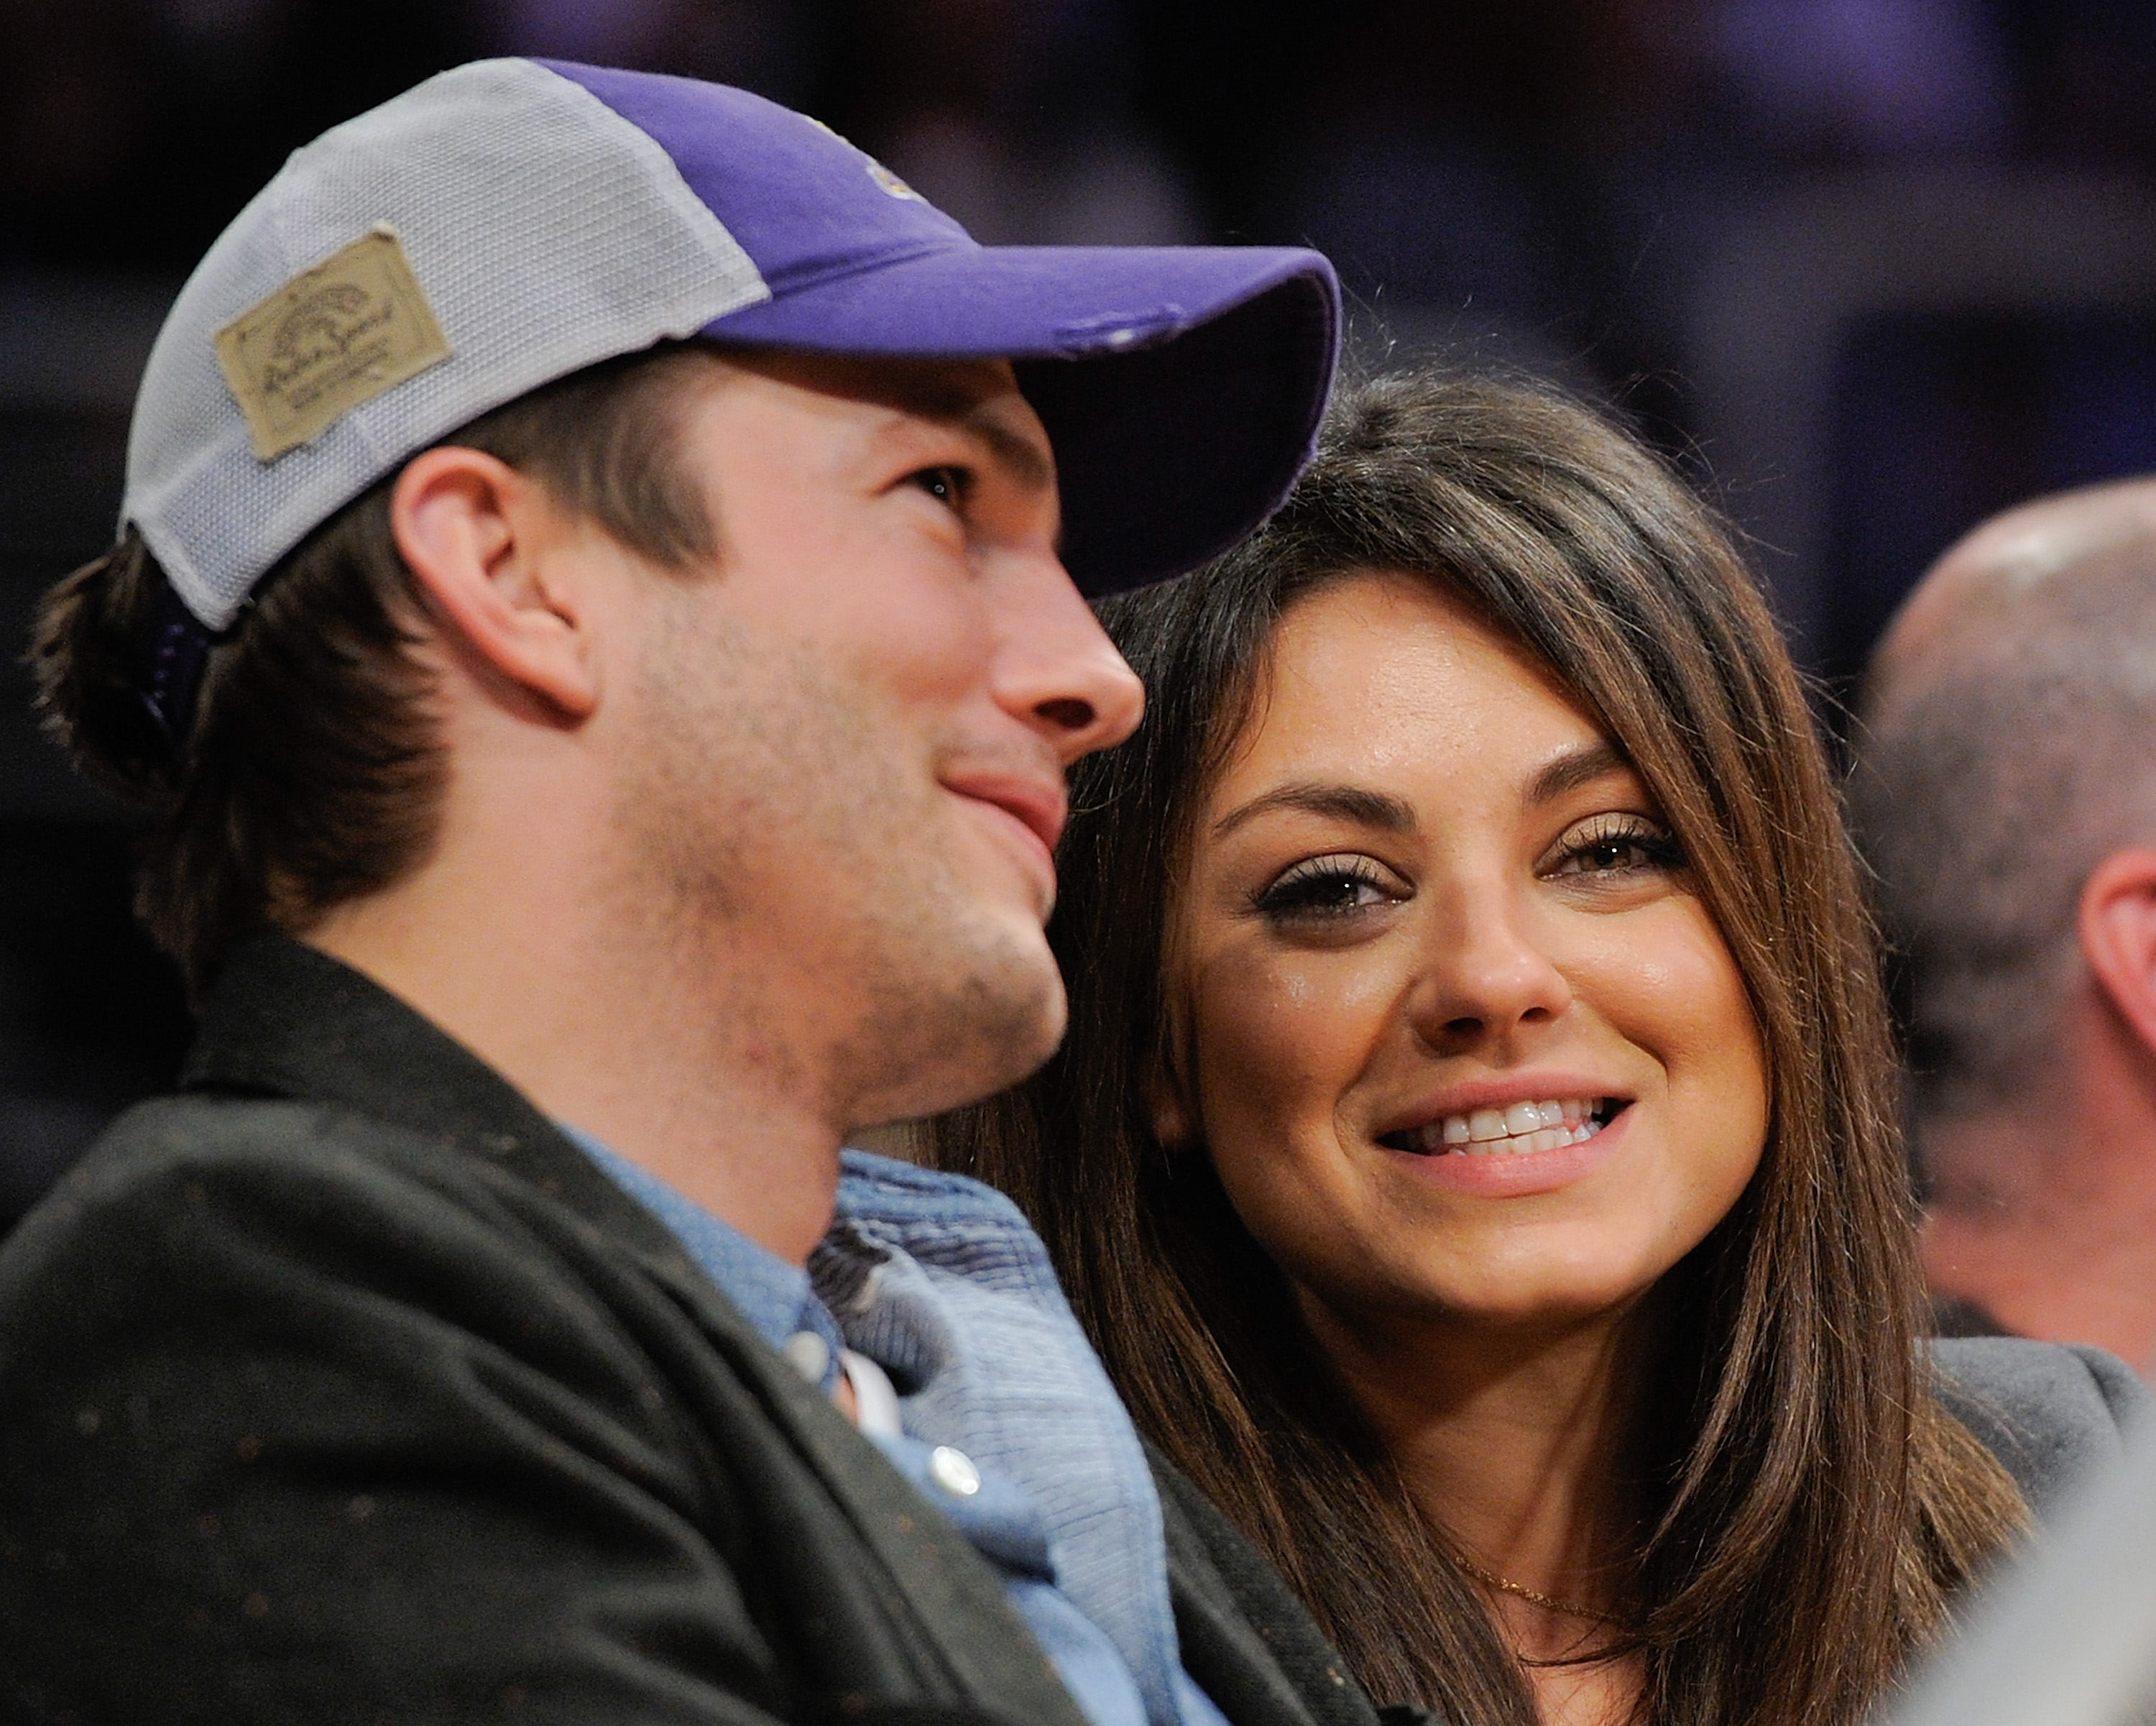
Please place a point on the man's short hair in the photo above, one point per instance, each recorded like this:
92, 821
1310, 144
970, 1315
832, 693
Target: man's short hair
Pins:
1996, 770
313, 771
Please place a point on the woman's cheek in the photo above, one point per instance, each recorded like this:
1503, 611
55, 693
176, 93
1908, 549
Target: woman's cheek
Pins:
1672, 993
1282, 1038
1259, 1026
1670, 988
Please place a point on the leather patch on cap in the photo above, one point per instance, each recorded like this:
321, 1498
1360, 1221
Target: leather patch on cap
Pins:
348, 329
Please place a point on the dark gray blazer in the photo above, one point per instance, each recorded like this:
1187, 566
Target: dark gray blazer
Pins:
344, 1388
2049, 1412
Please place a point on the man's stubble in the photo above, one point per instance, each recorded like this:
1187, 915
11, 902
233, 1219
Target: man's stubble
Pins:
790, 858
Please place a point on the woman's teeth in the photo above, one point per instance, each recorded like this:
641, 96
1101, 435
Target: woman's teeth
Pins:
1510, 1132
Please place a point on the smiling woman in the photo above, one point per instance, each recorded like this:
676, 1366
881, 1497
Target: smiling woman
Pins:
1471, 1059
1474, 1148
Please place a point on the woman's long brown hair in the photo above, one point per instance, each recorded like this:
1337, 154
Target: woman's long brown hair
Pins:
1813, 1506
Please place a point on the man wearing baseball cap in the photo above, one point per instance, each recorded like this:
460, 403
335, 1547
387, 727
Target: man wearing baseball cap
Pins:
591, 630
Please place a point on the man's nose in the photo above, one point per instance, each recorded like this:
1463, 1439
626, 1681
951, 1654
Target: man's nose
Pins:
1061, 673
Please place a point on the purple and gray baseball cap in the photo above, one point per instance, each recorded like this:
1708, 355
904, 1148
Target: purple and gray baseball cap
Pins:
512, 221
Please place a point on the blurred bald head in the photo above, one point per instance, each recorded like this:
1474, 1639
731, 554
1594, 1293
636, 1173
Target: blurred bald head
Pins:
2008, 744
2052, 561
2006, 784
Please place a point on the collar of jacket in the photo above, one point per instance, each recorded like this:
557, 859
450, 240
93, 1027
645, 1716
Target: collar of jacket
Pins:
286, 1020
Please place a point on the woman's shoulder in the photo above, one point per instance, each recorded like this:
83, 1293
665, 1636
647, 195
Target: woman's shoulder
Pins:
2049, 1412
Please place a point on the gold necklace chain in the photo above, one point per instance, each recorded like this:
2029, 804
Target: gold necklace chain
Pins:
1505, 1585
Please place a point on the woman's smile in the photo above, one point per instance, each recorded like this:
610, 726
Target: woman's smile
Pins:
1463, 1041
1515, 1130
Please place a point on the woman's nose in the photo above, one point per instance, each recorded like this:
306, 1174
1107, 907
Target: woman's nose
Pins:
1486, 975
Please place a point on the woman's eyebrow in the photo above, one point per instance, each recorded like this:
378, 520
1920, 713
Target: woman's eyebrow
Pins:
1575, 767
1339, 803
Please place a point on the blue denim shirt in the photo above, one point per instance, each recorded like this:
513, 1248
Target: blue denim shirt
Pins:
941, 1282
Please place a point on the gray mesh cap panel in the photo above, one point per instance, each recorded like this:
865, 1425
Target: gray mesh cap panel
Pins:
550, 236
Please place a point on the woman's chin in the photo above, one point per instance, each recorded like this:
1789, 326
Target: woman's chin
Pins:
1566, 1304
1508, 1299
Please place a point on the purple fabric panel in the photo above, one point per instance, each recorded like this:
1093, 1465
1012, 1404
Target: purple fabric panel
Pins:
733, 148
1020, 302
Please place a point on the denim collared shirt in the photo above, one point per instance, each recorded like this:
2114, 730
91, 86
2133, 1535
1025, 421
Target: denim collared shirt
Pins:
942, 1283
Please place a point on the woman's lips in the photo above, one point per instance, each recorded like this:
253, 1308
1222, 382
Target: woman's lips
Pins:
1517, 1129
1516, 1171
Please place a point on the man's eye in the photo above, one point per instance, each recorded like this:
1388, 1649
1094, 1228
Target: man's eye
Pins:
946, 485
1323, 889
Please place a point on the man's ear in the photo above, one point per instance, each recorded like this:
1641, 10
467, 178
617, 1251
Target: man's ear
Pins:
2117, 929
474, 532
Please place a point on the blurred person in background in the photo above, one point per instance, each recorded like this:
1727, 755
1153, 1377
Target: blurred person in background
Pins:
593, 641
1016, 116
1473, 1151
2005, 789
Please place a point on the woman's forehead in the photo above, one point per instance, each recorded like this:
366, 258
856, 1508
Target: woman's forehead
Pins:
1384, 676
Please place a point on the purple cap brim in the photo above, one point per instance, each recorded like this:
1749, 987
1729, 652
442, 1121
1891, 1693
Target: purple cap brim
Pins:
1181, 387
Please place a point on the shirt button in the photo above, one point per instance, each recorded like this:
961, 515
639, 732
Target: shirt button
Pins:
954, 1471
810, 1353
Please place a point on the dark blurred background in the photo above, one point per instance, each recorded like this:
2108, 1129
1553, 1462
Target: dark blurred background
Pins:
1871, 269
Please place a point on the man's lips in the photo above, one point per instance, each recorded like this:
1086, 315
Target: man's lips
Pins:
1038, 806
1041, 804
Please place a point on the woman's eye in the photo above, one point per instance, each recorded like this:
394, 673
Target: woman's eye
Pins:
1324, 888
1618, 844
946, 485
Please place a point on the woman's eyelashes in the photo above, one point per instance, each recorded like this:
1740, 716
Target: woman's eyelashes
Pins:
1617, 845
1321, 890
1331, 891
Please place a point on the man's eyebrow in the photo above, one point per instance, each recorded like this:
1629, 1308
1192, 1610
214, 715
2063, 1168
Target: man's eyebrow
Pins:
1339, 803
1028, 462
952, 405
1575, 767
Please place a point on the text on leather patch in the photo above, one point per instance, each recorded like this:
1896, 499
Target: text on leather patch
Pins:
355, 325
